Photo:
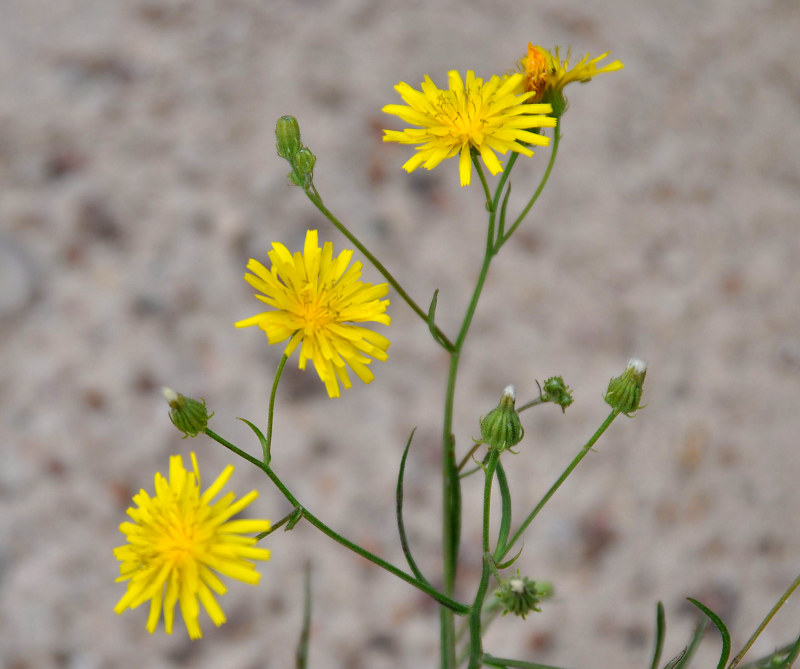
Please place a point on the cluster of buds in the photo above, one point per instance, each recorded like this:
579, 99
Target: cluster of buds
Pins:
188, 415
290, 147
501, 428
556, 391
519, 595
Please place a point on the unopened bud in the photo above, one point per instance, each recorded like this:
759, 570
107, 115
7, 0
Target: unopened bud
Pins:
188, 415
518, 595
625, 391
501, 428
556, 391
304, 161
302, 172
287, 134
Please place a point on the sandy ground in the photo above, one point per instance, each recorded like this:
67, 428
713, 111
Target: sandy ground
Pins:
138, 175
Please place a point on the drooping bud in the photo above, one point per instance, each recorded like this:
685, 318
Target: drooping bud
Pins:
287, 134
188, 415
556, 391
501, 428
518, 595
625, 391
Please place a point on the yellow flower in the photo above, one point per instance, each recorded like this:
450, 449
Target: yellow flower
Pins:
317, 300
176, 542
545, 73
487, 117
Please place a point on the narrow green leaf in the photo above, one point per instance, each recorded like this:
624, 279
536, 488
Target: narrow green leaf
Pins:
508, 563
261, 438
726, 637
399, 507
505, 518
431, 319
661, 628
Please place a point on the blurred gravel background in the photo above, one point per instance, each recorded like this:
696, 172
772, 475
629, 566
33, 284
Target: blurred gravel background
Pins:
138, 175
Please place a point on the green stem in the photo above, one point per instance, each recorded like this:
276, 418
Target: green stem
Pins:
491, 611
469, 454
501, 224
475, 636
278, 525
451, 604
301, 657
316, 200
451, 484
764, 623
503, 662
451, 503
532, 403
576, 460
553, 153
482, 177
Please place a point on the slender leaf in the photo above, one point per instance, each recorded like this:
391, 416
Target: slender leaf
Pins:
661, 628
508, 563
505, 518
399, 505
435, 333
726, 637
261, 438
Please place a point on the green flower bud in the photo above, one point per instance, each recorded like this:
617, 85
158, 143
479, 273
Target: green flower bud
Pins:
302, 168
557, 392
501, 428
625, 391
188, 415
287, 134
518, 595
304, 161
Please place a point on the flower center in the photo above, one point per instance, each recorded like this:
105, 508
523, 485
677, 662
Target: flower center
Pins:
180, 543
464, 122
315, 310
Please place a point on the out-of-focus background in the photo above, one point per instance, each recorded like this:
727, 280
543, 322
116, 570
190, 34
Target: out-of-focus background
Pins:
138, 175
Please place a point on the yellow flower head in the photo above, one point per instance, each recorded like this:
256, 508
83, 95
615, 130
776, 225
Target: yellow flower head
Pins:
471, 114
317, 299
544, 72
176, 542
